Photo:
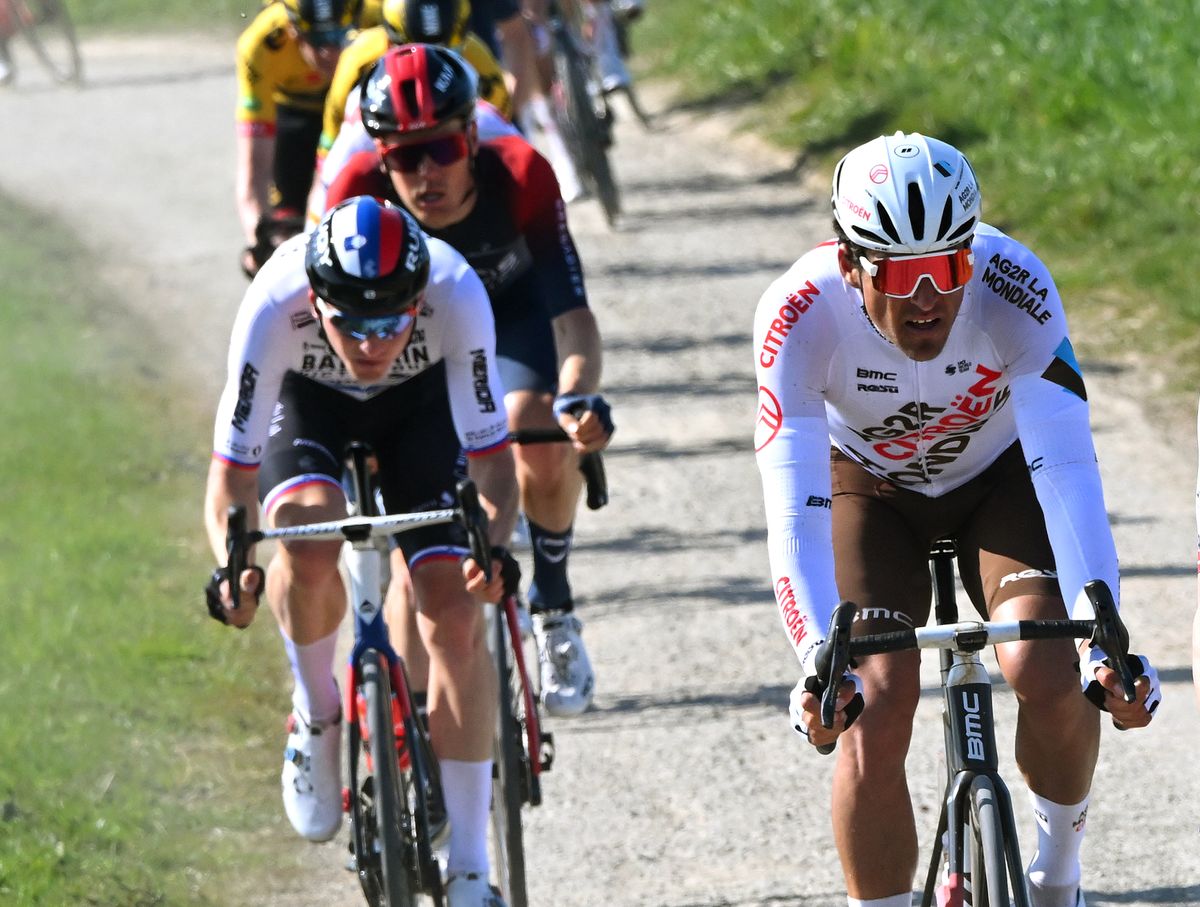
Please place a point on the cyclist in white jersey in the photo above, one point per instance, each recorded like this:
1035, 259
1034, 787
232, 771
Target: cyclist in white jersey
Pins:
366, 330
916, 381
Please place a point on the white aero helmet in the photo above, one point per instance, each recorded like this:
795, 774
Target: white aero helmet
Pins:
905, 195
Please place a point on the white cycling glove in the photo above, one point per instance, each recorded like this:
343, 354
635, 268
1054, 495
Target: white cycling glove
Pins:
1139, 666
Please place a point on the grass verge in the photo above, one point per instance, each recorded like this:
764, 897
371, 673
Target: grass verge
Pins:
132, 762
1074, 113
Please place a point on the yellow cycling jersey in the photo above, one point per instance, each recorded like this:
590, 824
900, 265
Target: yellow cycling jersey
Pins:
372, 43
271, 71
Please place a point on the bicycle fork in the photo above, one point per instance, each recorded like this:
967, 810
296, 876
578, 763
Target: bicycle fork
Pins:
973, 769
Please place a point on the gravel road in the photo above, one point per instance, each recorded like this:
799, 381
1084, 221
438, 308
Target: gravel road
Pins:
684, 786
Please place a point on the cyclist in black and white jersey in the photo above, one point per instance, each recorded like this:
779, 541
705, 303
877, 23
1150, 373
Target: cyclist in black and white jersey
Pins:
366, 330
916, 380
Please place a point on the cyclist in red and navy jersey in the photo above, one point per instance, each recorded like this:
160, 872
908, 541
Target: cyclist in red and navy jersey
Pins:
497, 203
916, 381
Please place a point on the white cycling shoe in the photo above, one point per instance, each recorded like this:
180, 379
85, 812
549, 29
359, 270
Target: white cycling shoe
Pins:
470, 889
568, 680
312, 777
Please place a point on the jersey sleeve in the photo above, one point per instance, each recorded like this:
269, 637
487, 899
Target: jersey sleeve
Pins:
791, 442
255, 367
1052, 418
256, 94
541, 215
469, 351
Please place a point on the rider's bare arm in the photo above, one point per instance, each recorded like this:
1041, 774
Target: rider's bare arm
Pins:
255, 154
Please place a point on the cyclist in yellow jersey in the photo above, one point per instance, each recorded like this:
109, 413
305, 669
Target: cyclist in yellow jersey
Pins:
425, 21
285, 60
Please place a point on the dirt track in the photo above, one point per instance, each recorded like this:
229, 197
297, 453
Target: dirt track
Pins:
684, 786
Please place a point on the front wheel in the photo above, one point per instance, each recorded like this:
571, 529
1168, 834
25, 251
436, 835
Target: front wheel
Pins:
387, 858
49, 31
989, 866
510, 775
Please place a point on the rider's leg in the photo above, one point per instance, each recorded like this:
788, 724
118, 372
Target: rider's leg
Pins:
307, 596
550, 483
462, 704
1058, 741
873, 822
881, 550
400, 612
1058, 729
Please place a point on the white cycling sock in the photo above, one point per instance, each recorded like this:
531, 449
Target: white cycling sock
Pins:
467, 787
1054, 870
315, 695
896, 900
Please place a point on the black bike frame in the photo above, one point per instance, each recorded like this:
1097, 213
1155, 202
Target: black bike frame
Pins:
970, 735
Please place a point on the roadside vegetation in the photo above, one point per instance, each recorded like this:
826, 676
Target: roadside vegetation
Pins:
132, 761
1075, 113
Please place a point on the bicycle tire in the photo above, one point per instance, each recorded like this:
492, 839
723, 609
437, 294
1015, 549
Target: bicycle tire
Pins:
585, 134
49, 31
510, 779
989, 869
396, 883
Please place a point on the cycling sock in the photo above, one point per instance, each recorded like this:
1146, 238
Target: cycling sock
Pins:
550, 590
896, 900
315, 695
467, 787
1054, 870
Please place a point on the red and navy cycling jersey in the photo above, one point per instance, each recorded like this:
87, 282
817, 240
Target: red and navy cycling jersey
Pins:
515, 237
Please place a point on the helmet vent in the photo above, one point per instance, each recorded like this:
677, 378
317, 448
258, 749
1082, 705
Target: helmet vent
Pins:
947, 219
885, 221
916, 211
962, 231
408, 91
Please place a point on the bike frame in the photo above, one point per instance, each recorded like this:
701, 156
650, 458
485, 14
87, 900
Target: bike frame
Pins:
974, 784
972, 758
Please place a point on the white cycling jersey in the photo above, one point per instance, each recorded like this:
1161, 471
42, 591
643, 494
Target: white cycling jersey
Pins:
276, 332
1007, 372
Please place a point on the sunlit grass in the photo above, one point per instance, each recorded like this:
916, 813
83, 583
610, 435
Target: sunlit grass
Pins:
1077, 114
131, 750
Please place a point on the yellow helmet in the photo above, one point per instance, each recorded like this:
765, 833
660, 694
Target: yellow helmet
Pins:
324, 21
427, 21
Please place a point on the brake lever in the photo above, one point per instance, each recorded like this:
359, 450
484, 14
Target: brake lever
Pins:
1110, 634
235, 550
833, 658
475, 522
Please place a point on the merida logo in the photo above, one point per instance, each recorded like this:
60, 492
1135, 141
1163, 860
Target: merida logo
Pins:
245, 400
483, 389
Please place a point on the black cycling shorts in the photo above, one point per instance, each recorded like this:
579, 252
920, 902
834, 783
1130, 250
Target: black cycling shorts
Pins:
525, 353
410, 429
882, 534
297, 136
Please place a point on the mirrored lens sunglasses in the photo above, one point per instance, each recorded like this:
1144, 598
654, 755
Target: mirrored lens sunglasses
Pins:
364, 327
443, 151
901, 275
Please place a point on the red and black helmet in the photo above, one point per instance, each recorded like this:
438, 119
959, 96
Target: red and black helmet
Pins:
417, 87
367, 258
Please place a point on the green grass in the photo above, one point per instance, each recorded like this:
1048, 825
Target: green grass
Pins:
136, 753
1076, 114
